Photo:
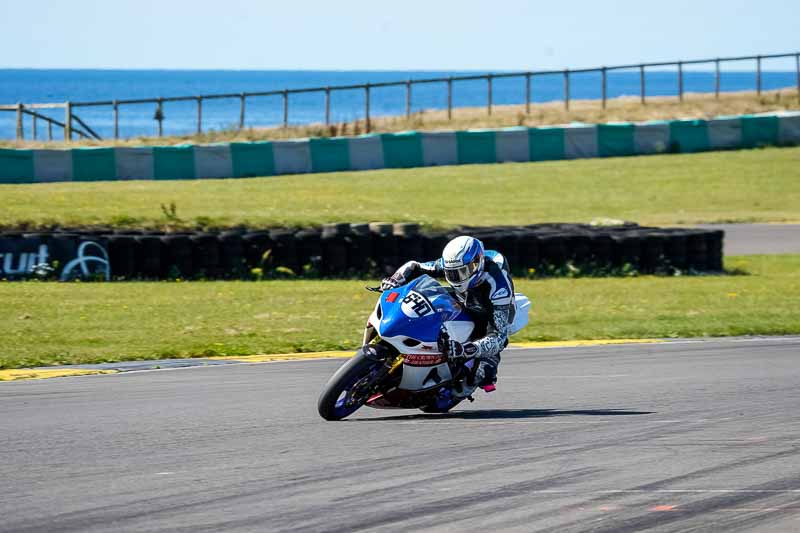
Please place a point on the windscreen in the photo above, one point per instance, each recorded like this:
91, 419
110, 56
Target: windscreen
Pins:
440, 296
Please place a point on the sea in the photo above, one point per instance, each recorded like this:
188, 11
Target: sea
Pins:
44, 86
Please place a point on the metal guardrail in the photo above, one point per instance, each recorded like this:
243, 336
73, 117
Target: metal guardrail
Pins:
70, 117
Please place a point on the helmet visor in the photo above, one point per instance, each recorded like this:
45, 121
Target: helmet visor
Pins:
462, 273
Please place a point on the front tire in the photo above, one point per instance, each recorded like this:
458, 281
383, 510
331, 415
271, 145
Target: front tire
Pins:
347, 389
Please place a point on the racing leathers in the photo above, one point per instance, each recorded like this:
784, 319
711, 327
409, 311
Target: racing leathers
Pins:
490, 303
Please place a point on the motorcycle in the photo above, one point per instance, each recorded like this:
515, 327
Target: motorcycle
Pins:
400, 365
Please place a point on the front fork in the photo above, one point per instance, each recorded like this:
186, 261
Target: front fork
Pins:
389, 366
394, 365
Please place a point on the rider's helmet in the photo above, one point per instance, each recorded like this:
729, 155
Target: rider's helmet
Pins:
462, 260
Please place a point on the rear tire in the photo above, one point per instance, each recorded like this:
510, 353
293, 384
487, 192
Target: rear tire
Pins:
331, 404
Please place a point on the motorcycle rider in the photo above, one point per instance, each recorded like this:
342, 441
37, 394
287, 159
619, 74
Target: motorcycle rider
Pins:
482, 282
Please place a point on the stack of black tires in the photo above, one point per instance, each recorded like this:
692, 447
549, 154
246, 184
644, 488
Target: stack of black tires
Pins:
376, 249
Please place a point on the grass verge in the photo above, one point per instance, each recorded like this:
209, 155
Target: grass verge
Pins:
747, 186
56, 323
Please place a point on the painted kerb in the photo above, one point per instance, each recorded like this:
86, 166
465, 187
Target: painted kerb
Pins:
398, 150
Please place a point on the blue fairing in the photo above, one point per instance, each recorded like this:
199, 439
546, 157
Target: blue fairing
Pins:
438, 306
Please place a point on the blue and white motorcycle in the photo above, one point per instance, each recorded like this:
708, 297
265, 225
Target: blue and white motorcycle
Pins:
400, 365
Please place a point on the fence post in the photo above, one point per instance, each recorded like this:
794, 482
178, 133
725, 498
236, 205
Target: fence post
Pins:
116, 119
199, 115
241, 111
566, 89
758, 75
366, 108
49, 131
642, 83
680, 80
604, 70
160, 116
797, 68
408, 99
327, 106
450, 98
285, 108
68, 121
528, 93
489, 94
34, 131
716, 78
20, 132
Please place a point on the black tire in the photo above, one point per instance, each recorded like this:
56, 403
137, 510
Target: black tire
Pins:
254, 245
341, 229
176, 259
627, 249
148, 252
409, 248
432, 246
384, 250
697, 250
231, 255
578, 247
714, 240
652, 247
122, 256
675, 248
552, 249
309, 248
359, 253
350, 373
334, 255
602, 246
64, 246
405, 229
205, 254
284, 250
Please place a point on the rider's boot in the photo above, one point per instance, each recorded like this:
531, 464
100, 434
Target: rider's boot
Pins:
484, 376
486, 373
463, 389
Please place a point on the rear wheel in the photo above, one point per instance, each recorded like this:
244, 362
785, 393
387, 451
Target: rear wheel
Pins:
350, 387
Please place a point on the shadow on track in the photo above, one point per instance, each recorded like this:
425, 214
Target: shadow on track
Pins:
499, 414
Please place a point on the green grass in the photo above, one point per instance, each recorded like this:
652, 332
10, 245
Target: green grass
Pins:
748, 185
51, 323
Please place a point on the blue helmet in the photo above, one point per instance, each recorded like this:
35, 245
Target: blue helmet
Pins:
462, 260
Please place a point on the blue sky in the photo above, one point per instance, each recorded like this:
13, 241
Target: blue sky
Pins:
387, 35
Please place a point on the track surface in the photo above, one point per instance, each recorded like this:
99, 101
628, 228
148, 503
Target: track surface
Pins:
745, 239
683, 436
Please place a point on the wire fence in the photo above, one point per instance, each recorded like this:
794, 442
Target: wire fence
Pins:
73, 126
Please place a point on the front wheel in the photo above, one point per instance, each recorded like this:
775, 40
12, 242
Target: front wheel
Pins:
350, 387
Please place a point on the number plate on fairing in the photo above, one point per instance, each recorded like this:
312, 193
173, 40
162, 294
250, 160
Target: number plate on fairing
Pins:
416, 305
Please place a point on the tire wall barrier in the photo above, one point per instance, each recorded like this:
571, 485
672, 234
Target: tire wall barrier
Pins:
398, 150
349, 250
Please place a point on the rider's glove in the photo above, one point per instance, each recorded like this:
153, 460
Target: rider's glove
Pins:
396, 280
455, 350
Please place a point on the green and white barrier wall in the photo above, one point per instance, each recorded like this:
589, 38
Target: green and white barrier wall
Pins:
398, 150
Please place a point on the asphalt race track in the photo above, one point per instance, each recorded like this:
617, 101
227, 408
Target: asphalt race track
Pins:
679, 436
744, 239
